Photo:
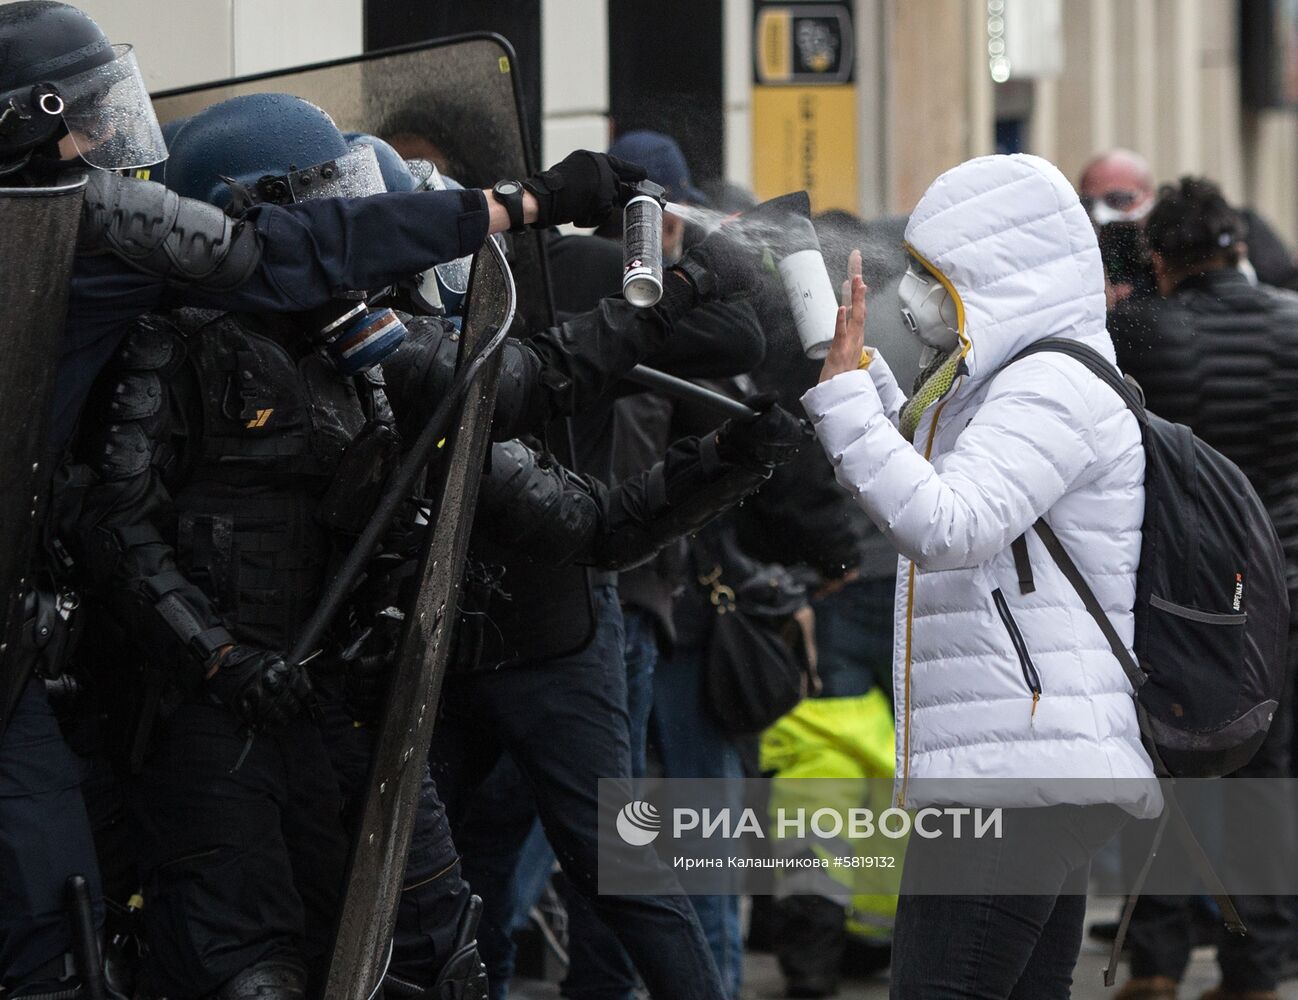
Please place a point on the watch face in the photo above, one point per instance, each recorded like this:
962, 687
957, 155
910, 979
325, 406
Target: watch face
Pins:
508, 187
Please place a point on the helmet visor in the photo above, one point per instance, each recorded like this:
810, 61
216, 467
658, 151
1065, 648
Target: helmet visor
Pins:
110, 117
355, 174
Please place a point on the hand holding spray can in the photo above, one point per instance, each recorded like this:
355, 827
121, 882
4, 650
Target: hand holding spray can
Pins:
642, 245
810, 292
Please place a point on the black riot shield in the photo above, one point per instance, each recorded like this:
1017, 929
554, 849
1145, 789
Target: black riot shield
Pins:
38, 232
383, 839
455, 100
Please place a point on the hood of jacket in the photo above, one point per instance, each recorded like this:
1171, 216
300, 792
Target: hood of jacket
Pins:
1009, 238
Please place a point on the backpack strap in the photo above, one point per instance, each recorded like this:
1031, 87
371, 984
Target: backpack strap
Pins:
1194, 851
1097, 364
1074, 576
1129, 908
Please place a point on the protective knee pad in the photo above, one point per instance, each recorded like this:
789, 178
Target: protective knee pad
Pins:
278, 979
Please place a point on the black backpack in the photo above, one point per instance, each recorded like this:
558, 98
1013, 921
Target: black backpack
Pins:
1212, 616
1211, 610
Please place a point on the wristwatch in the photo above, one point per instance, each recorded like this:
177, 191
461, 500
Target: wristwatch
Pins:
510, 194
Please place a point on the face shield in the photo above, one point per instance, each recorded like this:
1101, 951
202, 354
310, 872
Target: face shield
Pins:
355, 174
928, 310
110, 117
441, 289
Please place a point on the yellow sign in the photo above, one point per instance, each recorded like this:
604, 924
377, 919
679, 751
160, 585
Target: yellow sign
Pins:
804, 138
774, 45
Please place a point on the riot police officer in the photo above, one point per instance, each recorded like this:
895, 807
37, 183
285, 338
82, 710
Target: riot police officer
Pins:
72, 104
223, 462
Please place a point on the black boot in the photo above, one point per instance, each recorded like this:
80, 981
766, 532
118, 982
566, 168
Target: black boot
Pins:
811, 937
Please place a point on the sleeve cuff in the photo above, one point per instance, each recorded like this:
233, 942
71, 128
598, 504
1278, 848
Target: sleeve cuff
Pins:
475, 221
820, 399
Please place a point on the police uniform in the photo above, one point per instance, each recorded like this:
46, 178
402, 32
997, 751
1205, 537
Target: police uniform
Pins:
281, 258
218, 462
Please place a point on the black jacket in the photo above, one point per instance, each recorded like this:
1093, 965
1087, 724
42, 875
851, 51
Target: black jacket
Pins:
1221, 356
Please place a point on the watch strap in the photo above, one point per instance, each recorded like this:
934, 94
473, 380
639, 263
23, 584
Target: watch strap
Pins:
513, 202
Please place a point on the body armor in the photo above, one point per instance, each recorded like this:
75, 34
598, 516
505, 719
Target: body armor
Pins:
276, 428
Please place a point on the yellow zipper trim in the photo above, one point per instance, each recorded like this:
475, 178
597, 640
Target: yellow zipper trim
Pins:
910, 581
910, 624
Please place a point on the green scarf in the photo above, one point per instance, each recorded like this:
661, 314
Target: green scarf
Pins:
932, 384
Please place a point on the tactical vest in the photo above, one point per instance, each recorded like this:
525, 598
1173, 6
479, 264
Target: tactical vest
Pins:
275, 430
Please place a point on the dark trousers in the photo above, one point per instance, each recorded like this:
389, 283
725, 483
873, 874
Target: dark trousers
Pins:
1161, 935
240, 864
990, 947
44, 838
598, 966
564, 721
434, 893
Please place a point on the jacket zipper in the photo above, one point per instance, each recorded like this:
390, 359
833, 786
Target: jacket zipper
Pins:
910, 619
1030, 675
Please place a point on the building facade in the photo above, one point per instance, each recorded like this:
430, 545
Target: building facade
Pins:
862, 101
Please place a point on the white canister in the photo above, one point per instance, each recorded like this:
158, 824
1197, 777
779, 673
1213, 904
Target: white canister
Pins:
812, 300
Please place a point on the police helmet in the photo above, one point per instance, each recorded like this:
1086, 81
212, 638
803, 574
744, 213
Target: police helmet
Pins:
272, 148
398, 174
59, 75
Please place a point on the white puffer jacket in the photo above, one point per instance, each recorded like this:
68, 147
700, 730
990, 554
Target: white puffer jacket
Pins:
992, 683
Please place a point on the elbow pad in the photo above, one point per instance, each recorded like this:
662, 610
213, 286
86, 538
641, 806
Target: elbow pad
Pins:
422, 370
677, 497
180, 240
531, 505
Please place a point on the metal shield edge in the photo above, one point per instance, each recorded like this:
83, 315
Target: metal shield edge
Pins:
378, 861
38, 233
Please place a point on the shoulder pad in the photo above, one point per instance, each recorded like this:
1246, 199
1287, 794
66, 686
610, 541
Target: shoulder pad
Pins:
134, 396
152, 345
122, 451
180, 240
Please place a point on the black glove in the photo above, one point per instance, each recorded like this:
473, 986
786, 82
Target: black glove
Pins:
770, 438
723, 264
584, 189
259, 687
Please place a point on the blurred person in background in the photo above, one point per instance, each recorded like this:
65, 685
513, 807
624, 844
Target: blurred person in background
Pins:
1219, 354
1117, 191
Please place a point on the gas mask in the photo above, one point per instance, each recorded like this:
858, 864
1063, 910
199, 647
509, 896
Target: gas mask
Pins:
351, 337
929, 312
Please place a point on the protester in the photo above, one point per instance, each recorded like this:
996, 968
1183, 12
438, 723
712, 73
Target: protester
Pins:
1117, 191
952, 476
1192, 349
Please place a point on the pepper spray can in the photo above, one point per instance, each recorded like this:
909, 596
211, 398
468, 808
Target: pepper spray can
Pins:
809, 290
642, 246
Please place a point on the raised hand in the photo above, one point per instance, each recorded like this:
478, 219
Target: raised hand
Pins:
848, 351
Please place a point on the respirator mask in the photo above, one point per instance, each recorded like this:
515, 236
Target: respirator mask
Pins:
350, 336
929, 312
